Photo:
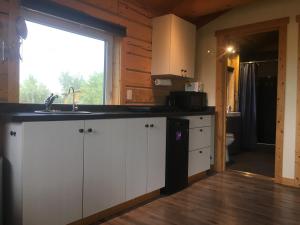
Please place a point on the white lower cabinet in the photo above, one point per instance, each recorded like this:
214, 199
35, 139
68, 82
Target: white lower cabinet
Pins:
50, 171
62, 171
156, 157
199, 161
145, 156
136, 158
104, 165
201, 143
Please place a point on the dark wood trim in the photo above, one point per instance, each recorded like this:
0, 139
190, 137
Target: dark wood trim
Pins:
58, 10
116, 210
297, 154
298, 18
199, 176
223, 37
254, 28
4, 7
220, 129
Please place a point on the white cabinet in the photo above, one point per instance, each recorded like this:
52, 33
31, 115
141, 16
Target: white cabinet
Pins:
201, 143
173, 46
62, 171
145, 156
136, 158
46, 159
199, 161
156, 158
104, 165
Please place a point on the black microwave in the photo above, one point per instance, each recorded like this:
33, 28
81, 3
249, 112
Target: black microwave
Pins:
188, 100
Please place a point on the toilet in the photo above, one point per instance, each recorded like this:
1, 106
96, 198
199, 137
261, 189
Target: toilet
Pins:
229, 141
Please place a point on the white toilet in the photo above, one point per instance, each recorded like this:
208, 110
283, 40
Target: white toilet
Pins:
229, 141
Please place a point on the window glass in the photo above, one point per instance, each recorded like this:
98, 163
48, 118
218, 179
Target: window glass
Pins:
53, 60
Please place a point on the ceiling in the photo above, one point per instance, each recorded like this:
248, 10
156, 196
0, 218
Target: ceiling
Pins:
199, 12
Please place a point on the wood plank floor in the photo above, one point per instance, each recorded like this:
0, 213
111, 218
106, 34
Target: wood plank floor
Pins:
230, 198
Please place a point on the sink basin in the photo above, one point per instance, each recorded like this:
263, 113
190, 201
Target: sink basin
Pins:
233, 114
58, 112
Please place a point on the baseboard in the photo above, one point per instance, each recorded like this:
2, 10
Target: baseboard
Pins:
195, 178
288, 182
116, 210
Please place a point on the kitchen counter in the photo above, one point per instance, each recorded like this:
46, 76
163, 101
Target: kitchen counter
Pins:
113, 114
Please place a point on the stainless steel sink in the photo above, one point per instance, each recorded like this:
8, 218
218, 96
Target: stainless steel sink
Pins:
58, 112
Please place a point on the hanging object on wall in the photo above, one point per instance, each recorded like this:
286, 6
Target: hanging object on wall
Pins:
3, 51
22, 33
21, 27
11, 50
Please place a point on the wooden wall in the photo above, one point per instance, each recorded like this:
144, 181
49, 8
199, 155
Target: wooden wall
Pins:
135, 67
4, 18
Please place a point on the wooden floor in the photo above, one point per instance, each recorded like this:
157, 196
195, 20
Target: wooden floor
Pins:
257, 161
230, 198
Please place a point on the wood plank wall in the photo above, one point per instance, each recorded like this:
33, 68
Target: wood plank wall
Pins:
135, 74
4, 18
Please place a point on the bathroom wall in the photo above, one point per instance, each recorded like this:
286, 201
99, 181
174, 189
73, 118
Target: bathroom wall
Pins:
257, 12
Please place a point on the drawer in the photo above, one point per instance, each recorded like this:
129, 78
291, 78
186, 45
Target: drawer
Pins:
199, 138
199, 121
199, 161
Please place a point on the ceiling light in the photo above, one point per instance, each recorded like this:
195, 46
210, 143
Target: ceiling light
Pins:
230, 49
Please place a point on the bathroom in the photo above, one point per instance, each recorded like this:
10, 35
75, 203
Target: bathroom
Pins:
251, 79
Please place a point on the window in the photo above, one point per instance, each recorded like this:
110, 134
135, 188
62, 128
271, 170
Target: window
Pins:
57, 55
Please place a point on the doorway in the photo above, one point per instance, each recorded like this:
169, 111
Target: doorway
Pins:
224, 38
251, 103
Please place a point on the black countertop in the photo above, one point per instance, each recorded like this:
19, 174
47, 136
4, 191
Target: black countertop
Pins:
26, 114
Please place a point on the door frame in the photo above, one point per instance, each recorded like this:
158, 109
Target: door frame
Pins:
223, 38
297, 156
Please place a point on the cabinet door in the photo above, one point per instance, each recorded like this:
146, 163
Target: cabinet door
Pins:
189, 43
199, 161
52, 172
178, 38
156, 157
136, 158
183, 47
104, 165
199, 138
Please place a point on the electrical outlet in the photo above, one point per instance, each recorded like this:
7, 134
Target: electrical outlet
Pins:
129, 94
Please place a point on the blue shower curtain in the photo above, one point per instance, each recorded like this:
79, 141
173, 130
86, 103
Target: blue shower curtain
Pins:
247, 105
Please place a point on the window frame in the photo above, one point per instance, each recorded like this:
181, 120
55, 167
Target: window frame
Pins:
84, 30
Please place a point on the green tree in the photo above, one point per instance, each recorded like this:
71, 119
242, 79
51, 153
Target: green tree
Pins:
92, 91
66, 80
32, 91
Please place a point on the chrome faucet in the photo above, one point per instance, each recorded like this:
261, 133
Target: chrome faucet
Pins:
74, 106
49, 101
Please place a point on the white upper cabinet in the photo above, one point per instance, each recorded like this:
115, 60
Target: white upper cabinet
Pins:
173, 46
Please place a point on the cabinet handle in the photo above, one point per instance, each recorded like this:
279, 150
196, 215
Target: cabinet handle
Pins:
81, 131
152, 125
201, 130
147, 125
90, 130
13, 133
201, 118
200, 152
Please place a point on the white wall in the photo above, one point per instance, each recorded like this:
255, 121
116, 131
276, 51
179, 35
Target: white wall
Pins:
257, 12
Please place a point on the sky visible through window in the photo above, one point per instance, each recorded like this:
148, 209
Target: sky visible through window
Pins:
53, 60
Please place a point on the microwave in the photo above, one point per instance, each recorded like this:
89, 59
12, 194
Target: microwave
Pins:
188, 100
